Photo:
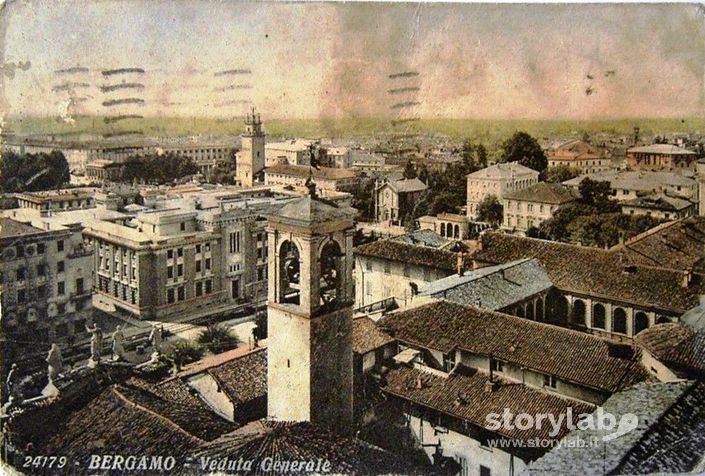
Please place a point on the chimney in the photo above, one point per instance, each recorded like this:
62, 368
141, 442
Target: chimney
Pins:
490, 386
419, 382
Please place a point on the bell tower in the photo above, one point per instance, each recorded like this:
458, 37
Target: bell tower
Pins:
309, 373
250, 160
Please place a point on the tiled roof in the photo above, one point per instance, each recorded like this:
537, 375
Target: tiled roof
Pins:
677, 245
243, 379
503, 171
112, 423
659, 201
595, 272
493, 287
423, 238
414, 255
367, 336
463, 395
543, 192
173, 400
310, 211
576, 147
669, 437
10, 228
636, 180
661, 149
675, 443
286, 441
548, 349
408, 185
676, 345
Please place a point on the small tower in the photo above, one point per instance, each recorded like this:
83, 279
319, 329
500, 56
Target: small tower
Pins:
250, 160
310, 369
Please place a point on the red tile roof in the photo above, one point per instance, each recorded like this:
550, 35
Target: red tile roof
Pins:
569, 355
367, 336
414, 255
243, 379
463, 395
676, 345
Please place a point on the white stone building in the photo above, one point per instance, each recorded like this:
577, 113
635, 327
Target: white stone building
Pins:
497, 180
531, 206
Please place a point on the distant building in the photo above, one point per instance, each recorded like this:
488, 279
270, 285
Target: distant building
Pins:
394, 198
659, 206
533, 205
497, 180
447, 225
250, 161
205, 156
326, 179
580, 155
292, 152
58, 201
339, 157
660, 157
628, 185
46, 281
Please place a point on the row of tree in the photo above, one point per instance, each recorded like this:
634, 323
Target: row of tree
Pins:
33, 172
155, 168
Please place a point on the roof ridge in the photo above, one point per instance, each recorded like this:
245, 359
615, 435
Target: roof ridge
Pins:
115, 390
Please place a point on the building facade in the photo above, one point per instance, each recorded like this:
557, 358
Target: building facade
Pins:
497, 180
660, 157
46, 281
327, 179
579, 155
250, 161
531, 206
395, 199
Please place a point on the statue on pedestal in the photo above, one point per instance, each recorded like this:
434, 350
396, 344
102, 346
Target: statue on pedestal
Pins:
118, 344
11, 381
55, 361
155, 337
96, 344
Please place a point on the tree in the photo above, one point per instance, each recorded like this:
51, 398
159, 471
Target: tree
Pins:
561, 173
467, 153
490, 210
524, 149
217, 338
597, 194
481, 156
260, 329
363, 199
184, 352
33, 172
409, 170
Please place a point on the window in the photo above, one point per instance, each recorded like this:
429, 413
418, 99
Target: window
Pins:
549, 381
368, 265
208, 264
170, 295
40, 248
61, 308
180, 270
198, 248
60, 288
260, 274
485, 471
406, 271
183, 226
199, 289
198, 266
21, 296
181, 294
169, 272
598, 316
619, 321
387, 267
496, 365
79, 285
60, 245
209, 286
170, 254
180, 252
208, 246
20, 274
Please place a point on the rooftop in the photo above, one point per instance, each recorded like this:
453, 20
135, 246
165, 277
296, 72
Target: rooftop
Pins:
411, 254
10, 228
671, 427
676, 345
367, 336
493, 287
552, 350
637, 180
427, 238
661, 149
310, 211
544, 192
595, 272
659, 201
243, 379
463, 395
406, 185
503, 171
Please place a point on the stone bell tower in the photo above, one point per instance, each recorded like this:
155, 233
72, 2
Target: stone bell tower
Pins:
310, 314
250, 160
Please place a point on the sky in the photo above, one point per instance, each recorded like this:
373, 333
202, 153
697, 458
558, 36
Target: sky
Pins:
340, 60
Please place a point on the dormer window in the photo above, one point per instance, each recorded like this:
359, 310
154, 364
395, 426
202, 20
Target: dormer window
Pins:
549, 381
496, 365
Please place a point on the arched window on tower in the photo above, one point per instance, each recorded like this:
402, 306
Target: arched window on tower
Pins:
289, 273
331, 273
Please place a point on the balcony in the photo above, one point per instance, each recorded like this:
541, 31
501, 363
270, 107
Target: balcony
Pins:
80, 252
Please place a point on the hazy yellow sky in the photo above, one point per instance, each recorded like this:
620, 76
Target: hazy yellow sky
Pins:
307, 60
